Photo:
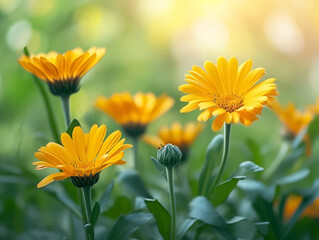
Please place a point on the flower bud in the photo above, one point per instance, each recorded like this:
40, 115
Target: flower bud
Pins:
169, 155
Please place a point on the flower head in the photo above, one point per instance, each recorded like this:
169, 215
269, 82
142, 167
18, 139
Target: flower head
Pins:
169, 155
292, 119
134, 113
182, 137
81, 157
62, 72
293, 122
229, 92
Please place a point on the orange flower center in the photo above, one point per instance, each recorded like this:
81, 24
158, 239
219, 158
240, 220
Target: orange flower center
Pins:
229, 103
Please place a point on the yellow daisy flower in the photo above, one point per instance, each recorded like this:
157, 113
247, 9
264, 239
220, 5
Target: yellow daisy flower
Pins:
62, 72
134, 113
180, 136
81, 157
293, 121
229, 92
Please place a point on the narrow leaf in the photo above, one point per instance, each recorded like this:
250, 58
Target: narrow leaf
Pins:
160, 168
236, 219
292, 178
212, 155
95, 214
106, 195
201, 209
162, 217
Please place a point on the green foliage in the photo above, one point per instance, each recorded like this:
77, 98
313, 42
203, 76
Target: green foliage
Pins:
106, 195
223, 190
134, 183
125, 225
201, 209
72, 125
162, 217
212, 155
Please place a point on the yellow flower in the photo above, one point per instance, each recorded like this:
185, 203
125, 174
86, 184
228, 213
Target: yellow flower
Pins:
314, 108
134, 113
62, 72
180, 136
293, 202
229, 92
292, 119
81, 157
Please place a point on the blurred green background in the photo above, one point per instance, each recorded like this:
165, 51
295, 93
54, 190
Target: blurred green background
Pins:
150, 46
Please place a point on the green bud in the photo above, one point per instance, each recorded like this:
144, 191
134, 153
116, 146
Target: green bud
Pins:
169, 155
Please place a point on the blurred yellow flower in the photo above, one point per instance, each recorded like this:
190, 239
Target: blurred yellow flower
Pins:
293, 121
293, 202
62, 72
134, 113
227, 91
314, 108
180, 136
81, 157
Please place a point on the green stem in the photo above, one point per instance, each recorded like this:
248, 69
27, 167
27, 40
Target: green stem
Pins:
87, 201
208, 170
170, 179
53, 125
276, 163
66, 108
223, 162
135, 152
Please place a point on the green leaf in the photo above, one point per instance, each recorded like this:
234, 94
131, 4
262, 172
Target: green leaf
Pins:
236, 219
212, 155
95, 213
26, 51
246, 167
72, 125
134, 183
184, 227
201, 209
162, 217
292, 178
161, 169
106, 195
127, 224
262, 227
222, 191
